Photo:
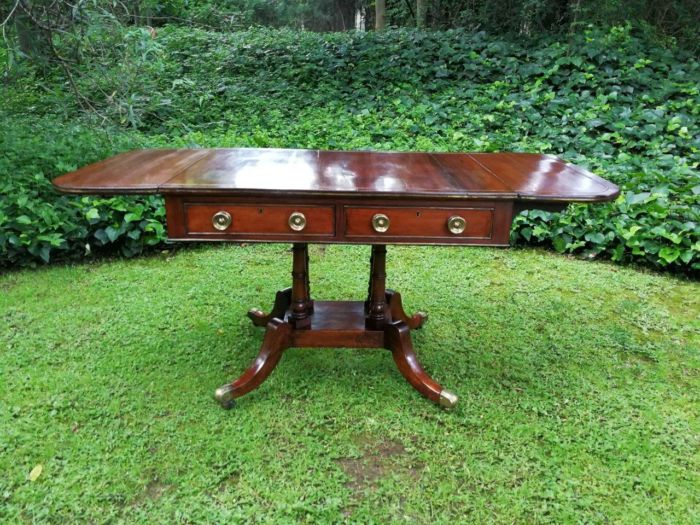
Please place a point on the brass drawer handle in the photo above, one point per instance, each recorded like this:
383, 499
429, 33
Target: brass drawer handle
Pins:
456, 224
380, 223
221, 220
297, 221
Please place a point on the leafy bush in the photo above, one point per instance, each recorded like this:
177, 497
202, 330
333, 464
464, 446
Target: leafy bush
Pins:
625, 109
654, 221
36, 224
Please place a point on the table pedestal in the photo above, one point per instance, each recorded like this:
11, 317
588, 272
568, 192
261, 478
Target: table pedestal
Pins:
298, 321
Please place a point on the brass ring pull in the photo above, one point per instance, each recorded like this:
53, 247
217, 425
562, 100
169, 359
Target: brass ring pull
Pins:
221, 220
297, 221
456, 224
380, 223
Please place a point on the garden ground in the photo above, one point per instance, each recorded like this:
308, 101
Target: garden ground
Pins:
579, 387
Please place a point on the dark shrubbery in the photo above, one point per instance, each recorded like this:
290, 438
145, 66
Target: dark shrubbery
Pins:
627, 110
37, 224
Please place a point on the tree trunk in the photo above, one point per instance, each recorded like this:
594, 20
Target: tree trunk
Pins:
31, 39
379, 14
360, 19
421, 8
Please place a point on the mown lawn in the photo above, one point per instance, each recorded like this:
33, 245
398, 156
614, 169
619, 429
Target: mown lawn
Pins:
579, 386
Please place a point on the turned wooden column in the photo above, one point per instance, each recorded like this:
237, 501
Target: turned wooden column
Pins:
376, 302
301, 302
379, 322
369, 281
309, 300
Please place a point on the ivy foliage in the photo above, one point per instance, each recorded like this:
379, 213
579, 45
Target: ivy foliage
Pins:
37, 224
617, 105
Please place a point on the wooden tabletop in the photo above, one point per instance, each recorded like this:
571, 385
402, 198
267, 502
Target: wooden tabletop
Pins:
508, 176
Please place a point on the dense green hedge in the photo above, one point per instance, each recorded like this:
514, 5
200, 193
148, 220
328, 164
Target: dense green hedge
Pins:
37, 224
627, 110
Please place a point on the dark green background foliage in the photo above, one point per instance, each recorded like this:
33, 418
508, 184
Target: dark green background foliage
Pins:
676, 20
622, 106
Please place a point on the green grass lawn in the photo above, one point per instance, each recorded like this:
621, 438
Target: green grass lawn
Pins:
579, 394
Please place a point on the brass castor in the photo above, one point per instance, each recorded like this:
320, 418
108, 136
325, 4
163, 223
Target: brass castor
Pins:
224, 396
448, 399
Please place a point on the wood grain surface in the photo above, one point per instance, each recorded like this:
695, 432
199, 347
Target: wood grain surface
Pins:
353, 174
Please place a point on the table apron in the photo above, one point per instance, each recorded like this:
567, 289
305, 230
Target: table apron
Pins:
259, 219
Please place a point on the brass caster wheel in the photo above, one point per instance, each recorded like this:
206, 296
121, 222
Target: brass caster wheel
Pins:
448, 399
224, 396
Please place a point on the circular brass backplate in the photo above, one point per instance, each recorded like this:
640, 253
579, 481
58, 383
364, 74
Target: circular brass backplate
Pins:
297, 221
380, 223
221, 220
456, 224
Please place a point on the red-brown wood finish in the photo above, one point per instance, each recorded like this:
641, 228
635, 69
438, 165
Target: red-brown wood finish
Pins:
487, 222
430, 223
378, 322
354, 174
302, 196
338, 324
140, 171
257, 220
398, 339
301, 300
283, 299
339, 191
376, 302
397, 312
277, 339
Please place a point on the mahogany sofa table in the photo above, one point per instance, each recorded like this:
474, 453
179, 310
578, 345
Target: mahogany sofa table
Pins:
308, 196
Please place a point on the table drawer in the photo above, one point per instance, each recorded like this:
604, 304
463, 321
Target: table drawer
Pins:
238, 219
419, 222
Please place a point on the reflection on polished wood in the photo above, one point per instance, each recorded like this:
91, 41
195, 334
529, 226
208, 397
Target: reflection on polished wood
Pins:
500, 176
359, 197
283, 299
276, 340
414, 321
378, 322
398, 340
